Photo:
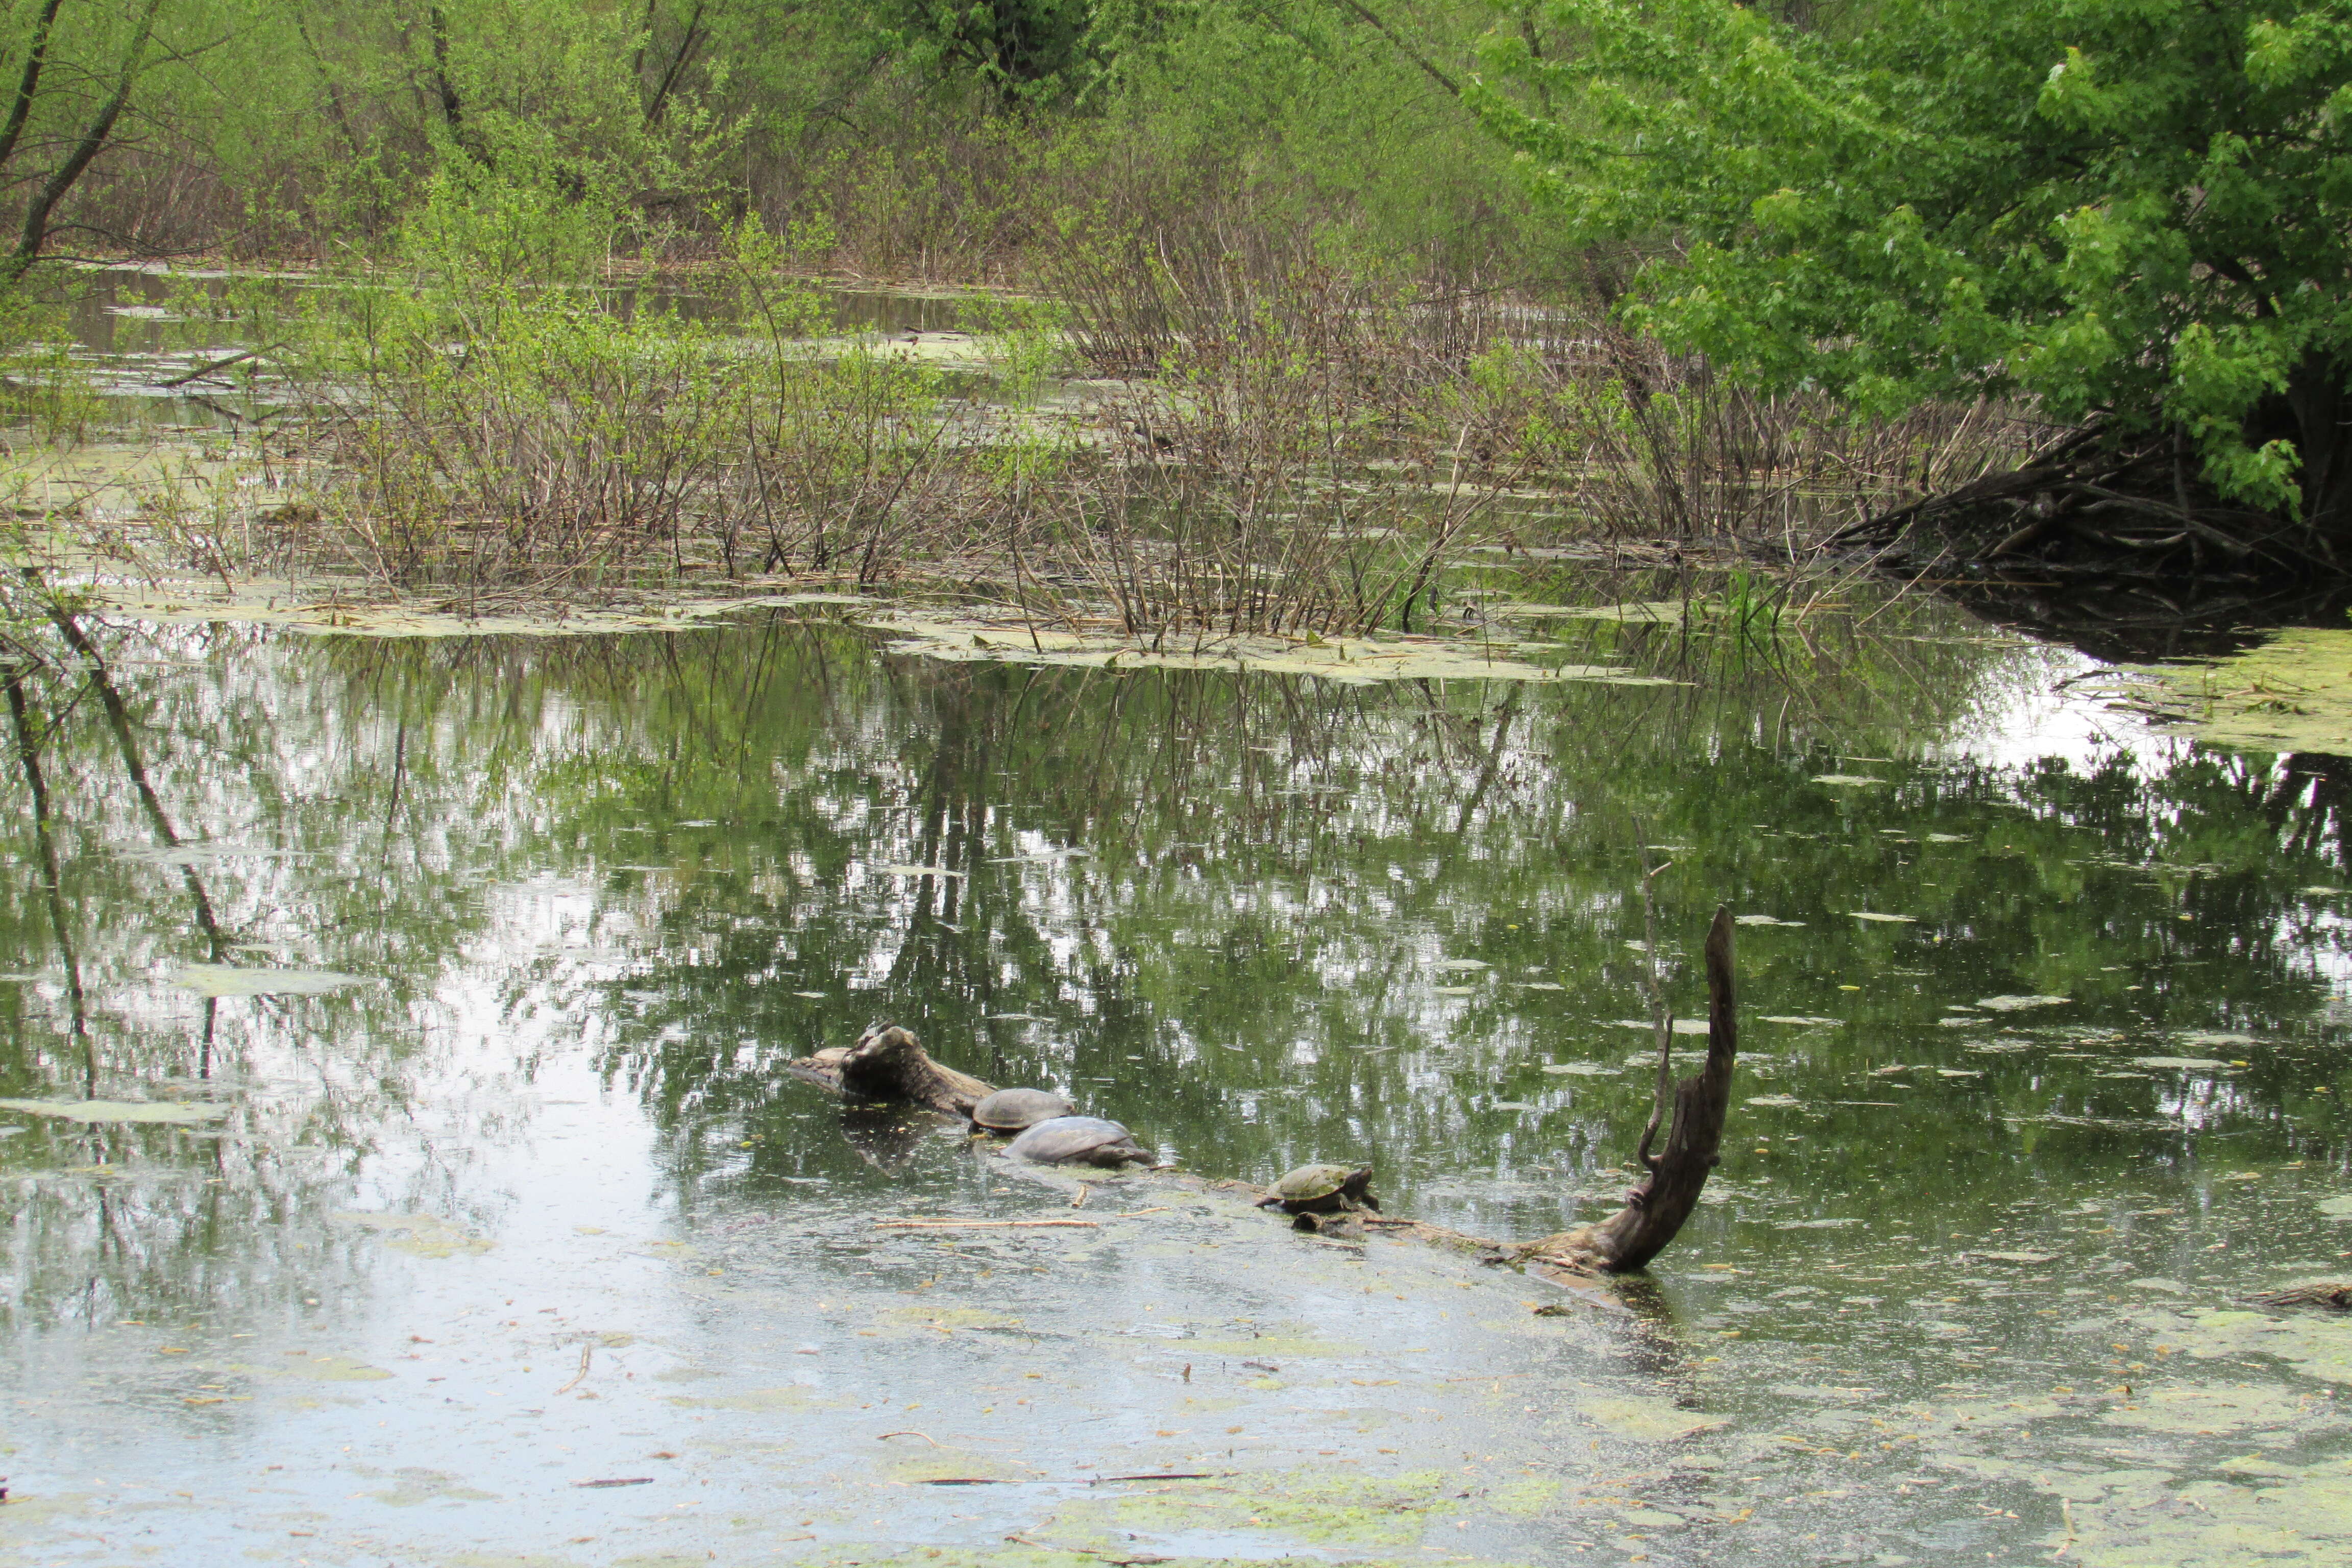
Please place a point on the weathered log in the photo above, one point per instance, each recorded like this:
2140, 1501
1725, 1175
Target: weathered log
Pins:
888, 1064
2335, 1295
1656, 1209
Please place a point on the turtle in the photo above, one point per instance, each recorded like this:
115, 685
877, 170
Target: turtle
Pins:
1079, 1141
1014, 1110
1323, 1189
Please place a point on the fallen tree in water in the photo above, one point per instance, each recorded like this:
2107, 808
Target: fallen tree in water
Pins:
2094, 505
888, 1064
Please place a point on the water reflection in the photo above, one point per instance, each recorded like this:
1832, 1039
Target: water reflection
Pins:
2023, 1001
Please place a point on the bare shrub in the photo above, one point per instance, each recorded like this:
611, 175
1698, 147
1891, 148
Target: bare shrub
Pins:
1305, 448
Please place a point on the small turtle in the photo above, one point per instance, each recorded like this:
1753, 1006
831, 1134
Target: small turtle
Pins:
1014, 1110
1323, 1189
1079, 1141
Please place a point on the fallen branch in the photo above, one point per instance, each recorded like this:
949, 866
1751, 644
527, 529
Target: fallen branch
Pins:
983, 1223
219, 364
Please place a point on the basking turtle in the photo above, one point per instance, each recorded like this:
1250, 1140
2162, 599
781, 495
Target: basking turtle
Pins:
1079, 1141
1323, 1189
1014, 1110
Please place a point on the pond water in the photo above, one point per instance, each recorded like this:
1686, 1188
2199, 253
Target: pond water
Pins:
492, 1229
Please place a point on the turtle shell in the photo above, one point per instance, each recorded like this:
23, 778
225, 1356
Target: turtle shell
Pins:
1322, 1189
1077, 1140
1012, 1110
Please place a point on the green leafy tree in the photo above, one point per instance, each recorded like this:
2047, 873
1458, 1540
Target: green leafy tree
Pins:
2138, 211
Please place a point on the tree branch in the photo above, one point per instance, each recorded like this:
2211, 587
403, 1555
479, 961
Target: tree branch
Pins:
93, 141
1407, 50
30, 83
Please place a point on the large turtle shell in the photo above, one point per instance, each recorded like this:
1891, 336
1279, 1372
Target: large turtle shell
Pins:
1322, 1189
1012, 1110
1075, 1139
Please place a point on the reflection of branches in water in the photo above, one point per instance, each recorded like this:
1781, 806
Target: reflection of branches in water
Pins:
118, 718
2311, 804
28, 757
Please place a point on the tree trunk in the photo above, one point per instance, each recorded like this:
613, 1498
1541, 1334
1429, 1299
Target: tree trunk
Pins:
94, 141
2316, 400
1656, 1209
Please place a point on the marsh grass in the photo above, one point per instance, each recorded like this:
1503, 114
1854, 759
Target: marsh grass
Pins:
1291, 448
486, 427
1269, 442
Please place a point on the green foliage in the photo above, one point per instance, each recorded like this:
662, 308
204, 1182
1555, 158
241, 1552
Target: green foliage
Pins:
940, 137
2135, 208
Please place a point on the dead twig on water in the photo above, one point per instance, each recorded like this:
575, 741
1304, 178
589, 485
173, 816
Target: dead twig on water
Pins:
983, 1224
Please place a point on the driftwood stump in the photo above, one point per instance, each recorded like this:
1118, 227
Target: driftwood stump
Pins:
888, 1064
1656, 1209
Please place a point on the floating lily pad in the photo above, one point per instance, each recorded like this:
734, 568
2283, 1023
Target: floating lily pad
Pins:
1647, 1420
1682, 1025
1774, 1099
1795, 1018
424, 1235
2013, 1256
1582, 1069
2182, 1064
228, 980
1464, 964
1848, 781
1891, 919
2019, 1003
164, 1112
2340, 1208
1764, 920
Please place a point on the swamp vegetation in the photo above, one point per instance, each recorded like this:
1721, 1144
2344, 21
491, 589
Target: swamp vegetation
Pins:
1333, 581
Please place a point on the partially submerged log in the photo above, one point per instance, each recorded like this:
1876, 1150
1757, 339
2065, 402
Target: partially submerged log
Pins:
886, 1065
1656, 1210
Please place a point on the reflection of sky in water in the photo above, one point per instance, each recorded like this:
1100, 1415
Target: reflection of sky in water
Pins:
608, 887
